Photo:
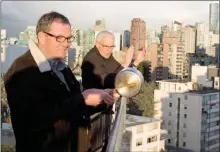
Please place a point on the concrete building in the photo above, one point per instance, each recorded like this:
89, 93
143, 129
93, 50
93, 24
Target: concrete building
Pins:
30, 33
151, 37
204, 37
190, 110
138, 33
12, 40
201, 59
190, 39
3, 35
99, 25
9, 54
21, 36
117, 41
125, 40
214, 17
214, 74
158, 57
143, 134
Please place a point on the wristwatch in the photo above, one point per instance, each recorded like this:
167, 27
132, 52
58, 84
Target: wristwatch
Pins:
132, 64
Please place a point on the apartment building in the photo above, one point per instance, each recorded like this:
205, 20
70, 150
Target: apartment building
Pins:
143, 134
190, 112
138, 33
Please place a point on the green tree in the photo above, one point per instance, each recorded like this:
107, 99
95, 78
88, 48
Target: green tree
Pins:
144, 68
145, 99
5, 116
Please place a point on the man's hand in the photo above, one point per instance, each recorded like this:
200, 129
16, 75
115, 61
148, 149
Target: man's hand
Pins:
140, 56
94, 97
113, 93
128, 57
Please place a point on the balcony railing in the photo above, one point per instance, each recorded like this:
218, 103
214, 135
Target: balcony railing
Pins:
108, 129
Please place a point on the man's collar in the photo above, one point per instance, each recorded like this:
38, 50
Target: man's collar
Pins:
57, 64
39, 57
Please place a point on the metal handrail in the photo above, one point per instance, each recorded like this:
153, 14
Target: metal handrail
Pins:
118, 128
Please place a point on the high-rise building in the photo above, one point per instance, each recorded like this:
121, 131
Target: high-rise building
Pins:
158, 58
201, 59
99, 25
190, 112
214, 17
117, 36
3, 36
138, 33
126, 39
190, 39
30, 33
151, 37
204, 37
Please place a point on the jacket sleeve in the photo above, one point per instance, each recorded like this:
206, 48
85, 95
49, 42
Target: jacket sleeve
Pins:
34, 104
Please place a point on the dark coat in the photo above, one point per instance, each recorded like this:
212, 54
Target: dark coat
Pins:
37, 100
98, 72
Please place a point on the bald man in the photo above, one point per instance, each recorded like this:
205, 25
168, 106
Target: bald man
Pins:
99, 67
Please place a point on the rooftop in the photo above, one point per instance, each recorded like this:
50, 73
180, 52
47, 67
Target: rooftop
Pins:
204, 91
133, 120
175, 80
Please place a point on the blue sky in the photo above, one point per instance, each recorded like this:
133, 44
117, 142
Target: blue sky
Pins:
117, 14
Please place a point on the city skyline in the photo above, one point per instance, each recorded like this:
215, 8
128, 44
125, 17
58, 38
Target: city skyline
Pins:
16, 16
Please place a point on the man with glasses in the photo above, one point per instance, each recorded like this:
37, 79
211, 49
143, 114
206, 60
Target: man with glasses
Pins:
48, 109
99, 67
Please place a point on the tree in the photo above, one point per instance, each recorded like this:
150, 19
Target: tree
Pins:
5, 115
144, 68
145, 99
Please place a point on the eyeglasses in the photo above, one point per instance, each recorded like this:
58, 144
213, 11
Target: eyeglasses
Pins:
106, 46
62, 38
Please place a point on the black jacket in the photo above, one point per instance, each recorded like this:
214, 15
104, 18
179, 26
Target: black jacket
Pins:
39, 99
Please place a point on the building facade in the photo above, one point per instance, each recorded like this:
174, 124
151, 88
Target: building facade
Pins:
138, 33
214, 17
190, 112
145, 134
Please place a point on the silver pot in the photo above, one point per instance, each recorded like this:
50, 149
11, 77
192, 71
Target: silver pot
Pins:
128, 82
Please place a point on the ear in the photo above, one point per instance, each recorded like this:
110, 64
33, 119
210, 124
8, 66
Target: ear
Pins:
97, 44
41, 37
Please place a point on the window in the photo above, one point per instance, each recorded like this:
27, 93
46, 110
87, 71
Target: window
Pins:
184, 144
184, 125
169, 131
139, 129
170, 104
152, 139
186, 97
185, 106
185, 115
169, 122
216, 82
139, 142
169, 141
170, 113
178, 99
184, 134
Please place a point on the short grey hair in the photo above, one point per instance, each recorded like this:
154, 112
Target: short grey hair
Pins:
103, 34
47, 19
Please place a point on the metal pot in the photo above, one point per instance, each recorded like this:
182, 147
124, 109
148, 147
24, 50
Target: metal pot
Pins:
128, 82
